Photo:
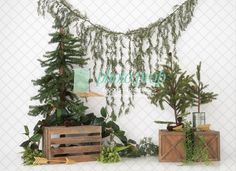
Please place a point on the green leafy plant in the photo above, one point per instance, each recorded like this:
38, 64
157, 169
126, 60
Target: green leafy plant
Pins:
147, 147
112, 130
175, 90
110, 153
109, 127
200, 96
194, 146
29, 154
31, 147
33, 141
131, 152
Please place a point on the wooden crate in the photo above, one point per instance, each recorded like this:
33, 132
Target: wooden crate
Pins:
212, 143
171, 145
78, 143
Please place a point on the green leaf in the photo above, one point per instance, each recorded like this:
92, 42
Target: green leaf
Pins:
35, 138
59, 114
88, 119
98, 121
113, 125
103, 112
25, 143
132, 141
26, 130
121, 135
121, 148
164, 122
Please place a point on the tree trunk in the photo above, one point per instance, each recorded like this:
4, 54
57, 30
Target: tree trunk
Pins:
175, 112
61, 75
199, 98
62, 72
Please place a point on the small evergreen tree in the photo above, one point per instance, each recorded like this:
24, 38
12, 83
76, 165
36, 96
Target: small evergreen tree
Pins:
175, 90
58, 104
200, 96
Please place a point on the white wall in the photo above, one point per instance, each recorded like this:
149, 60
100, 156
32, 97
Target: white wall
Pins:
210, 38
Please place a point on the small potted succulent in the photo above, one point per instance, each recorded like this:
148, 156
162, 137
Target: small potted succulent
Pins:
175, 92
200, 96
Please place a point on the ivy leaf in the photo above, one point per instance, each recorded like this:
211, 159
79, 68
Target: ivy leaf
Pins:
121, 135
88, 119
25, 143
103, 112
26, 130
35, 138
99, 121
113, 125
132, 141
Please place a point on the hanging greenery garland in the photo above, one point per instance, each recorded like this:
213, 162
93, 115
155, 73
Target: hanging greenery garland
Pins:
135, 51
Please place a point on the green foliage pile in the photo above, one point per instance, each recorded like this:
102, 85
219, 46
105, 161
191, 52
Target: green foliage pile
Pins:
147, 147
110, 153
29, 154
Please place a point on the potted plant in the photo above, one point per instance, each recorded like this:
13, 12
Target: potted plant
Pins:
174, 91
200, 96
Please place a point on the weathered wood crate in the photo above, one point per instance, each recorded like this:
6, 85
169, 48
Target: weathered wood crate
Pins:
171, 145
78, 143
212, 143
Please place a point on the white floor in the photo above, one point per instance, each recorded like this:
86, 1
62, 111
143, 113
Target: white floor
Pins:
130, 164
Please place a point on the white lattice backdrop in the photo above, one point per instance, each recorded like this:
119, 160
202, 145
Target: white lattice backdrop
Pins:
210, 37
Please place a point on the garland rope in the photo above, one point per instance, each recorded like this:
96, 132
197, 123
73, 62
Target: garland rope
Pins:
143, 48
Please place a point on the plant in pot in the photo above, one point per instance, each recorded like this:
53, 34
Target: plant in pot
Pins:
174, 91
200, 96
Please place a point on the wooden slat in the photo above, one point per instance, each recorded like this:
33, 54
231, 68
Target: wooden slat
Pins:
46, 143
74, 129
75, 149
80, 158
71, 140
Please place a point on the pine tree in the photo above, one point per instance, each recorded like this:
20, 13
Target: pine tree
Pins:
175, 90
57, 101
200, 96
